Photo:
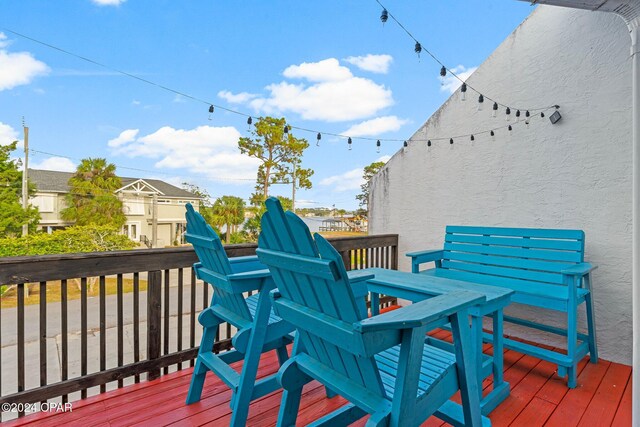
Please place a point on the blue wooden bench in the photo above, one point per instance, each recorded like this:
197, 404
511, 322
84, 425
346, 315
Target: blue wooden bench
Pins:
381, 365
545, 268
259, 329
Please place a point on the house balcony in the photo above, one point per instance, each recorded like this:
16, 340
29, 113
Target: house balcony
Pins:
110, 339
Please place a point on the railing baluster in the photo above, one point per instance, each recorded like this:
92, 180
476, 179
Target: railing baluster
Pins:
154, 315
192, 317
136, 321
103, 328
83, 332
166, 318
20, 340
180, 289
205, 295
120, 314
64, 374
43, 334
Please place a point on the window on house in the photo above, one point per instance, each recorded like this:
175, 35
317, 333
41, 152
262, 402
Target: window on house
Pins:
134, 206
44, 202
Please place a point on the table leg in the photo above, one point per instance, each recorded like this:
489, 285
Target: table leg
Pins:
500, 388
476, 337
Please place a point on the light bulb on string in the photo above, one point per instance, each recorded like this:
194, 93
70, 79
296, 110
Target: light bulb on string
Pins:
472, 138
493, 135
349, 143
405, 145
528, 118
480, 102
518, 116
429, 143
211, 109
418, 49
507, 113
249, 121
495, 109
463, 91
286, 131
378, 146
384, 16
443, 74
542, 114
451, 141
318, 138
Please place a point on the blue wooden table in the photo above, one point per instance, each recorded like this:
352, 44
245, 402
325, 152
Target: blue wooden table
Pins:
418, 287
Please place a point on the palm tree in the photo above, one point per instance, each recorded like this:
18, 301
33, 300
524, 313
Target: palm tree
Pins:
230, 211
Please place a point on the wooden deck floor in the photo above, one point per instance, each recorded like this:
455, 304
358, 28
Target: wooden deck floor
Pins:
538, 397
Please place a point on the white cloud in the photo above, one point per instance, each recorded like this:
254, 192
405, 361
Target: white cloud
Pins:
206, 150
108, 2
125, 137
376, 126
54, 164
4, 41
7, 134
236, 98
451, 84
326, 70
18, 68
179, 99
350, 180
330, 93
374, 63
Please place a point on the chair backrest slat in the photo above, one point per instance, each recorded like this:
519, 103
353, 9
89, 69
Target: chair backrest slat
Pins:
213, 257
328, 292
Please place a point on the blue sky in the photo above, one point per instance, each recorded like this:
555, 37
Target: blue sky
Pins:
324, 65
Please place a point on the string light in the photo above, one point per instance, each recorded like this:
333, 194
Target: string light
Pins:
318, 138
508, 113
518, 115
495, 109
472, 138
464, 88
349, 142
388, 14
378, 146
210, 111
286, 130
443, 74
384, 16
493, 133
451, 141
463, 91
480, 102
429, 143
405, 144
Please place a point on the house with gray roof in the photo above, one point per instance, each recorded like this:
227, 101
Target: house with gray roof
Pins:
137, 195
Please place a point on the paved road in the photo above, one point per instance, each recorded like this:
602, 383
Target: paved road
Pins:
8, 368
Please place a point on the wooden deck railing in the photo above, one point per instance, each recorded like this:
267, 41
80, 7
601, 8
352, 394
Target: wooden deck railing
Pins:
78, 334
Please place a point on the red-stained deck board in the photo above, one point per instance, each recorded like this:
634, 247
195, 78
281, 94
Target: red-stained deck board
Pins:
538, 397
602, 407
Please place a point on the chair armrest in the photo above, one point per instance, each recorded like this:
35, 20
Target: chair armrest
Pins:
250, 275
246, 263
420, 257
356, 276
421, 313
579, 270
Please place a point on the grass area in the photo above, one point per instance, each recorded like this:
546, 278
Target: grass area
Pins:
10, 298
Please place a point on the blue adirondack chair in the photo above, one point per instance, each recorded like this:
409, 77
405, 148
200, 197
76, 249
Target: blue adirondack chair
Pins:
380, 364
259, 329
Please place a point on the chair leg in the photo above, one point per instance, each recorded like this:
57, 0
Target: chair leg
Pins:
289, 405
572, 342
591, 323
282, 354
210, 323
197, 382
242, 397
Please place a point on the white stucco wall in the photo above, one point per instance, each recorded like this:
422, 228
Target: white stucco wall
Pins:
575, 174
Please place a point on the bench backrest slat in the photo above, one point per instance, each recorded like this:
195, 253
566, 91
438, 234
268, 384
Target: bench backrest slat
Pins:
517, 258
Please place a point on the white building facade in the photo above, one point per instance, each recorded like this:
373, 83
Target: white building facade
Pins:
575, 174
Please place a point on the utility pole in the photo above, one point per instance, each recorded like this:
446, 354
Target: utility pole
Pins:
25, 177
154, 222
293, 191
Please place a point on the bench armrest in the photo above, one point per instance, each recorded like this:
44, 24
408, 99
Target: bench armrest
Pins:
421, 257
579, 270
356, 276
421, 313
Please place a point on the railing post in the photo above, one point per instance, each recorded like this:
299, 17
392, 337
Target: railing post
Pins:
154, 319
